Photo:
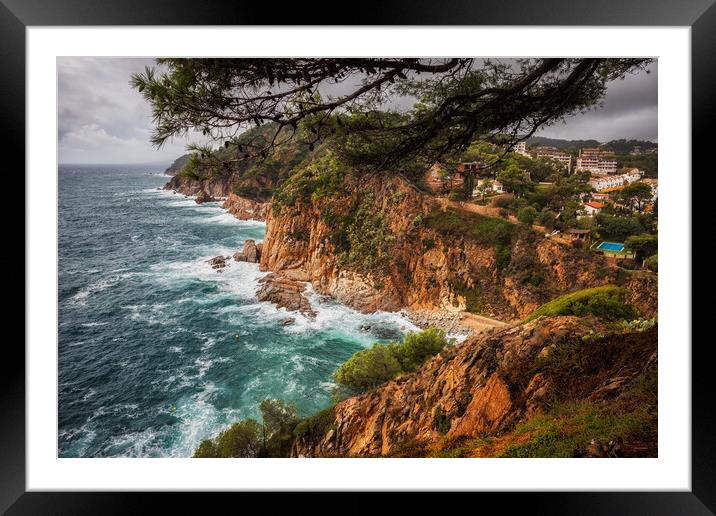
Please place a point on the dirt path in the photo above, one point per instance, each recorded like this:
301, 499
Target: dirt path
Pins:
480, 322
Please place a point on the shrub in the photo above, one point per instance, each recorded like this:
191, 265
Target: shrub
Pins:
642, 245
652, 263
367, 368
242, 439
607, 302
527, 215
317, 424
547, 219
416, 348
370, 367
485, 230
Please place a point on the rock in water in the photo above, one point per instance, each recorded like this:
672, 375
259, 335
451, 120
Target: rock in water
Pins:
218, 262
285, 293
203, 197
250, 253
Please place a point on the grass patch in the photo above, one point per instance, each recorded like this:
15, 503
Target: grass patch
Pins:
568, 427
607, 302
485, 230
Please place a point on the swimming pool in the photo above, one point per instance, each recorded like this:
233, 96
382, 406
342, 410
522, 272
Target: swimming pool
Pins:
611, 246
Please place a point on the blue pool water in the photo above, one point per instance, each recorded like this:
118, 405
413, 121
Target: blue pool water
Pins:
149, 359
611, 246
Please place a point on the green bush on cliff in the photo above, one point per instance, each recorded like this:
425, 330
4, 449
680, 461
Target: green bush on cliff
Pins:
242, 439
381, 362
485, 230
249, 438
607, 302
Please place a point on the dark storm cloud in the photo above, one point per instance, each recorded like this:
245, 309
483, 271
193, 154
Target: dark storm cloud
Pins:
101, 119
628, 111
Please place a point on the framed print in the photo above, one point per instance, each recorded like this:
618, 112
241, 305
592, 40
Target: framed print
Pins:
415, 253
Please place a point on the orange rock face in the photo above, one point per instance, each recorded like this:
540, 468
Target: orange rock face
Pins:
479, 386
426, 270
245, 209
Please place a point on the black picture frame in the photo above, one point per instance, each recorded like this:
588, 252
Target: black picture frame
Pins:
700, 15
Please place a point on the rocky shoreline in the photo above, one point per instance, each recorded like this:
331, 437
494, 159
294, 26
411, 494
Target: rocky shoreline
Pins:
286, 289
455, 323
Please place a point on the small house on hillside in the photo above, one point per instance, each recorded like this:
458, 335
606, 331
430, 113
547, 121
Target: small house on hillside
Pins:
591, 208
443, 181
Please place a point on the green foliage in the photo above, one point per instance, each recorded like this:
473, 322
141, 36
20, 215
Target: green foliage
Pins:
317, 424
652, 263
441, 420
569, 427
547, 219
513, 180
279, 420
249, 438
484, 230
370, 367
642, 245
648, 162
473, 296
619, 228
319, 178
607, 302
635, 196
527, 215
242, 439
428, 243
368, 238
191, 169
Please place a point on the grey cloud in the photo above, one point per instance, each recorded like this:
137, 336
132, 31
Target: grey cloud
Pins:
101, 119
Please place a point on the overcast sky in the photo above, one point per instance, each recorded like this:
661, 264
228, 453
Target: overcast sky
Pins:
101, 119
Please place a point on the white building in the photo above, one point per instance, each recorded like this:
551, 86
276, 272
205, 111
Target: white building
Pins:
601, 183
554, 154
521, 148
591, 208
495, 187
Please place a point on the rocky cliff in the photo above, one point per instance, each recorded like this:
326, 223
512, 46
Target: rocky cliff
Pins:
379, 244
245, 209
177, 165
213, 186
592, 389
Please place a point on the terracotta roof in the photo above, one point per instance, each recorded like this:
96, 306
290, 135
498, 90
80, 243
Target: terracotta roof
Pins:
594, 204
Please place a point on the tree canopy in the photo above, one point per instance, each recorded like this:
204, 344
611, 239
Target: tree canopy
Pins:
457, 100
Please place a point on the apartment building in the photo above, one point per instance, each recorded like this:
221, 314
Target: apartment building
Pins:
596, 161
554, 154
604, 182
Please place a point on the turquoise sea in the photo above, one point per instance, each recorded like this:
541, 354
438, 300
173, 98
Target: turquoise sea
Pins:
158, 351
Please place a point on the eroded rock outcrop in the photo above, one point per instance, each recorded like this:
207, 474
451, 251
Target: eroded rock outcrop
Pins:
218, 262
203, 197
286, 292
424, 268
483, 385
251, 252
245, 209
